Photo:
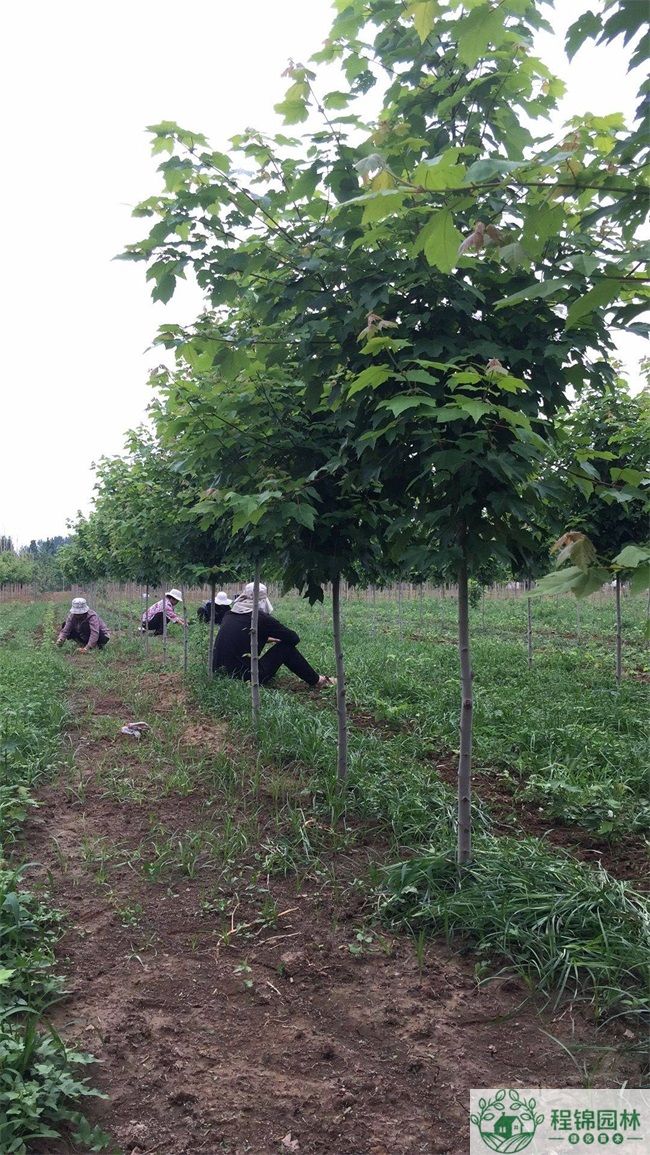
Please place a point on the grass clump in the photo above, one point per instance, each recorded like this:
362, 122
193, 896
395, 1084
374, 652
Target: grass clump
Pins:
568, 930
39, 1082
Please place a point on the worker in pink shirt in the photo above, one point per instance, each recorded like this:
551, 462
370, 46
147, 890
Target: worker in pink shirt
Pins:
83, 626
152, 619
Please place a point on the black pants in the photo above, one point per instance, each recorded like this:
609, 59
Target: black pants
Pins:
82, 636
283, 654
154, 625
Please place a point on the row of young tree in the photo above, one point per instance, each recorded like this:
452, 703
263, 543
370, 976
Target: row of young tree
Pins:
398, 315
36, 564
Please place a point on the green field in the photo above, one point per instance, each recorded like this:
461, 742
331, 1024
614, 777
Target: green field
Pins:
558, 741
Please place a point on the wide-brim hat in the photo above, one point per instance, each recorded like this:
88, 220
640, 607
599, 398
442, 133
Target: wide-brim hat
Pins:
222, 599
79, 606
174, 594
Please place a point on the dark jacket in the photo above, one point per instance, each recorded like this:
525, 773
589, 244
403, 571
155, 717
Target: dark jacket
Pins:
232, 648
203, 612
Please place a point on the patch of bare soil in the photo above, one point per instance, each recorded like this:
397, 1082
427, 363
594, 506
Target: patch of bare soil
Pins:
219, 1030
627, 858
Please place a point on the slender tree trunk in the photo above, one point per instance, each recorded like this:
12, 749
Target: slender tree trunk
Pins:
399, 612
164, 633
373, 627
421, 604
255, 661
146, 624
619, 633
185, 632
529, 625
467, 705
213, 586
341, 712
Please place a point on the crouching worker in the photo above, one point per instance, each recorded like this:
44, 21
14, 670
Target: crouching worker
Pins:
222, 604
152, 619
233, 646
83, 626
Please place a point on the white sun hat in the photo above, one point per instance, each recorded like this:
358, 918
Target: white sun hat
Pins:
222, 599
79, 606
174, 593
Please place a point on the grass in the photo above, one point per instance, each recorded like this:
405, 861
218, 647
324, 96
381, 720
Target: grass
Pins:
40, 1080
567, 929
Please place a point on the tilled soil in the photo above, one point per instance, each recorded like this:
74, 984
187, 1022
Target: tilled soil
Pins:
221, 1028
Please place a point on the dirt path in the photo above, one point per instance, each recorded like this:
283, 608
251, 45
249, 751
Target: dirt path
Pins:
226, 1007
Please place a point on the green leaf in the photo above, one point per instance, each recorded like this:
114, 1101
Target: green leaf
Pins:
591, 581
370, 378
304, 515
441, 172
640, 580
513, 417
475, 31
473, 406
588, 25
397, 405
490, 167
440, 240
424, 14
632, 556
381, 204
5, 975
560, 582
164, 288
601, 294
537, 289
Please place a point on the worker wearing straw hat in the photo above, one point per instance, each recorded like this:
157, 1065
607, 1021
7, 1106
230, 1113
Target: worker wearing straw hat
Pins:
152, 619
83, 626
222, 604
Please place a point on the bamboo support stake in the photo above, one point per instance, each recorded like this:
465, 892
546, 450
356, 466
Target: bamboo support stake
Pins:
146, 624
185, 631
467, 705
619, 632
341, 711
213, 586
164, 624
255, 665
529, 626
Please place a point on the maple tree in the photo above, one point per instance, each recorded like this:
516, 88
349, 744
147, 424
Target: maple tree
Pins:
423, 290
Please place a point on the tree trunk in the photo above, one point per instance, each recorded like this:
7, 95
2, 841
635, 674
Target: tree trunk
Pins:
421, 604
185, 631
213, 586
373, 627
255, 661
164, 633
146, 631
578, 622
341, 712
399, 612
467, 705
529, 625
619, 633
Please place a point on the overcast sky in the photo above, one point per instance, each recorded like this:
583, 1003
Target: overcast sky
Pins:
78, 84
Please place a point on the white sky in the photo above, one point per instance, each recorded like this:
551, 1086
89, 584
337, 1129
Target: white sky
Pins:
78, 84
